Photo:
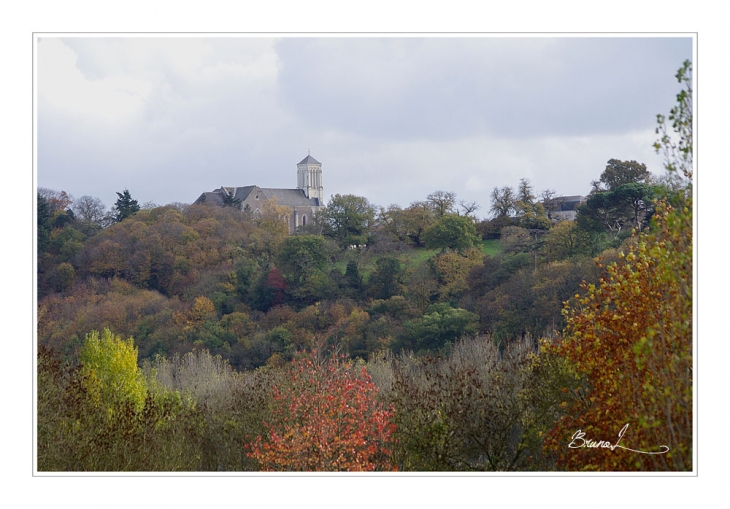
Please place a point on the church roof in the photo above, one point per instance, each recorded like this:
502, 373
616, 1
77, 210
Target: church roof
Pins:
290, 197
309, 160
285, 197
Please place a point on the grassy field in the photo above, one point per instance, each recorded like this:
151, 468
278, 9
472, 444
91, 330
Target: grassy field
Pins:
415, 257
488, 247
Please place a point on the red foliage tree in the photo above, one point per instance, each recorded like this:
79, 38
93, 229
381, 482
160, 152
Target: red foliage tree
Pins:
326, 417
276, 284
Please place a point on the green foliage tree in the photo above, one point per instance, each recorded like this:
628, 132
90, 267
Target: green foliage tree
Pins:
303, 261
43, 222
229, 200
451, 232
492, 228
348, 219
618, 173
352, 276
387, 280
440, 324
678, 149
530, 213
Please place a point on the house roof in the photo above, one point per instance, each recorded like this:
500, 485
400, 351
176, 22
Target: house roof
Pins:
309, 160
567, 203
570, 198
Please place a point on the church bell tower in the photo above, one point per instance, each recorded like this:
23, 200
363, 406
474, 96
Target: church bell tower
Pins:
309, 178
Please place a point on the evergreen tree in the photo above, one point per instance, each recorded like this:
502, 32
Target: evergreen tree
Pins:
125, 206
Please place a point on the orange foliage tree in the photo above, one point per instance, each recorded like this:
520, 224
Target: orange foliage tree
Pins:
630, 339
326, 417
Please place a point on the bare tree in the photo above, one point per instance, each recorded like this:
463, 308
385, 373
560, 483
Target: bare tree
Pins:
469, 207
549, 201
89, 209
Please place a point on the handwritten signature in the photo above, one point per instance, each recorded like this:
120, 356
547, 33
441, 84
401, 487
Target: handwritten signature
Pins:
578, 441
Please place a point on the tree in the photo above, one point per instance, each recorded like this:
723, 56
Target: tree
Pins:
460, 411
439, 325
229, 200
406, 225
630, 339
105, 416
678, 155
565, 240
273, 219
326, 417
441, 202
303, 261
637, 198
387, 278
125, 206
549, 201
618, 173
515, 239
451, 232
353, 279
530, 214
90, 213
627, 205
451, 269
349, 219
58, 201
503, 201
469, 207
110, 372
43, 219
89, 209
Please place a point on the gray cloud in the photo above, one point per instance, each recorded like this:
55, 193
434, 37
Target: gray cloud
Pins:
391, 119
447, 88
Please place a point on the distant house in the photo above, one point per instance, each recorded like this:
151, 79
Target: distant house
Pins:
564, 207
303, 201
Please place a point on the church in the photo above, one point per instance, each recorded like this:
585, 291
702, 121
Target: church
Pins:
303, 201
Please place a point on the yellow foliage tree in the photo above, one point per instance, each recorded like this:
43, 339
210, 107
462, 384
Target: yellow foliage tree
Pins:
110, 372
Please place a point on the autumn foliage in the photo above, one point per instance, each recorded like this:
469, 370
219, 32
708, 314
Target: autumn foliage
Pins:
630, 337
326, 417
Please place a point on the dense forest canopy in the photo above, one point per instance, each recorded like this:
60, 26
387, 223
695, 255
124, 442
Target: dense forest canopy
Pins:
439, 341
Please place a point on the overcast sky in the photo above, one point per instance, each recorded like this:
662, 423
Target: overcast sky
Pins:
389, 118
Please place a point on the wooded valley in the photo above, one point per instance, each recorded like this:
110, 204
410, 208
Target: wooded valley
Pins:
202, 338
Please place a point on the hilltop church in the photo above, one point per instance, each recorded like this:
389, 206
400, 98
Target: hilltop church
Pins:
303, 201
